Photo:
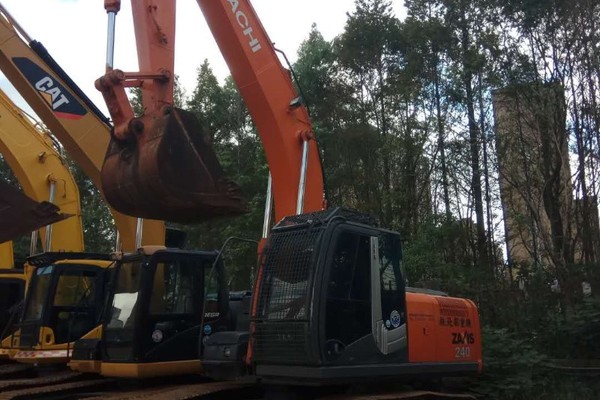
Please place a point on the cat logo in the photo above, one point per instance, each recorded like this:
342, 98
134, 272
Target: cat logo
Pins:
51, 92
58, 98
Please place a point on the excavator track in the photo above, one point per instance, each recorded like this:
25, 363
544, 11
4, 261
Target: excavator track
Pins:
404, 395
39, 381
70, 385
207, 390
11, 371
71, 390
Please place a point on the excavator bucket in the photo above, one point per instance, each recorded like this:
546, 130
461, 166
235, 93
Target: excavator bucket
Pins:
19, 215
172, 174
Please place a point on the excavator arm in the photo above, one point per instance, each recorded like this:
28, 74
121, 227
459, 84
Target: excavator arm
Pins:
137, 168
159, 164
42, 173
67, 112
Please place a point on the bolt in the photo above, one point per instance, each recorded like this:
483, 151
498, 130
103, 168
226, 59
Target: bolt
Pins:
137, 126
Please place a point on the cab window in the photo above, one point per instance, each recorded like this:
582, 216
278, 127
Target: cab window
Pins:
392, 283
38, 292
348, 310
178, 288
75, 289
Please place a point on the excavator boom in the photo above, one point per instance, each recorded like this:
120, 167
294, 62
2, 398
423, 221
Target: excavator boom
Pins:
277, 110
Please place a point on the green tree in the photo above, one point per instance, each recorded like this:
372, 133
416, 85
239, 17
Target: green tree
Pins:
98, 224
238, 148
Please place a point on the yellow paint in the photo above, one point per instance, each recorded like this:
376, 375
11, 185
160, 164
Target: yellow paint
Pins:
30, 154
6, 256
39, 354
149, 370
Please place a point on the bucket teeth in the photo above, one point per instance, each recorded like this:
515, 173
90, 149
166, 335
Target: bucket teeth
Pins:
171, 174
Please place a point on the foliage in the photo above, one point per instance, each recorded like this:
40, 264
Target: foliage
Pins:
98, 226
579, 336
226, 122
512, 365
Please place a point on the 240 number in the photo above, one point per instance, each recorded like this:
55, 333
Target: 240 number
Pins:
462, 352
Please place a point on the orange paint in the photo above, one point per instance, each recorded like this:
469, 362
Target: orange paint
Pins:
442, 329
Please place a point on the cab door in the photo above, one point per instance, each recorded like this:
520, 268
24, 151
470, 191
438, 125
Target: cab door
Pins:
364, 307
76, 302
388, 301
169, 330
171, 327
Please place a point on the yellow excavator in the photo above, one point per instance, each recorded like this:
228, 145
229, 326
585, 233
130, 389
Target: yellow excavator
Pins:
43, 175
68, 113
69, 297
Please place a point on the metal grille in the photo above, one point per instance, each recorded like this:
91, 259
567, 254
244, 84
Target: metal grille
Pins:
283, 342
326, 215
288, 266
282, 321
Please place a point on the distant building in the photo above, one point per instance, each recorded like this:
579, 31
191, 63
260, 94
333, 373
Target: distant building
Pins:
540, 216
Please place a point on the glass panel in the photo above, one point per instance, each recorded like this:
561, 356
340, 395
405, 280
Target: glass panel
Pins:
74, 311
126, 295
38, 289
177, 288
288, 301
348, 311
11, 293
213, 296
76, 289
392, 285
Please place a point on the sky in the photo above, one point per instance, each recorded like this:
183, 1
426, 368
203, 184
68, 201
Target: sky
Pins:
74, 32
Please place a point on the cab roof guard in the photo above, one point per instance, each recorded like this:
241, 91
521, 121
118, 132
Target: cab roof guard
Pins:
325, 216
51, 257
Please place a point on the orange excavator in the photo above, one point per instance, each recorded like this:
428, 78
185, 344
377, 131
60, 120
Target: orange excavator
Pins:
330, 304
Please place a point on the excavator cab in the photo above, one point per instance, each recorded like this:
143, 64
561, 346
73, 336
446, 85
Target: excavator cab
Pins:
332, 308
64, 303
153, 314
331, 299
